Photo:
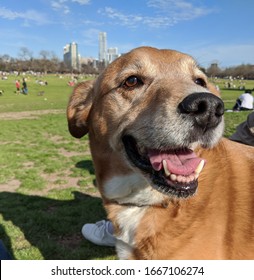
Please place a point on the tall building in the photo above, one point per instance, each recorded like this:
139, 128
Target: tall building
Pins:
112, 54
103, 46
71, 56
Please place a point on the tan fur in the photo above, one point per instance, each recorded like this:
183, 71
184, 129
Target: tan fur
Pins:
216, 223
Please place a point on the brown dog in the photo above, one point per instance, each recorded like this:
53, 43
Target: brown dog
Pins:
146, 114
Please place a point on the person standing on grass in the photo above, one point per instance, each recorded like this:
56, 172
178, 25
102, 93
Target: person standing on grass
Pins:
17, 84
24, 87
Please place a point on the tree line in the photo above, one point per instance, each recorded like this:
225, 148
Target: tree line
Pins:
48, 62
245, 71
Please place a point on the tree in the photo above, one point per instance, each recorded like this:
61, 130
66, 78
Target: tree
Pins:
213, 70
44, 54
25, 53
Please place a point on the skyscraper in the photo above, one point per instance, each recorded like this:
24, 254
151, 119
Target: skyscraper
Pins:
112, 54
71, 56
103, 46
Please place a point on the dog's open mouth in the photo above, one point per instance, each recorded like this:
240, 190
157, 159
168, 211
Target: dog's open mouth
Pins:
172, 172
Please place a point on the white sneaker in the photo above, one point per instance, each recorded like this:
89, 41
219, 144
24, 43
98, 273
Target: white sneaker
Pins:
99, 234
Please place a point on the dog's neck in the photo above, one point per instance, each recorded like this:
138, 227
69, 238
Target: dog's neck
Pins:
133, 190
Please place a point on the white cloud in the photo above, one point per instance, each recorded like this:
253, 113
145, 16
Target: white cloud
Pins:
60, 5
82, 2
128, 20
180, 10
27, 16
63, 5
166, 13
8, 14
132, 20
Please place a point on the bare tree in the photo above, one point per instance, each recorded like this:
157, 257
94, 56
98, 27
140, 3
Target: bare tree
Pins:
213, 70
25, 54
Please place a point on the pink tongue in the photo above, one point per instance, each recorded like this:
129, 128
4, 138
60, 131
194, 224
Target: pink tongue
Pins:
182, 162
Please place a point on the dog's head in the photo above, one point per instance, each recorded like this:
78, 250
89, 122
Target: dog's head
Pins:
145, 115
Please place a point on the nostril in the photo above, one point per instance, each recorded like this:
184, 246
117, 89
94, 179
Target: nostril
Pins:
219, 109
201, 107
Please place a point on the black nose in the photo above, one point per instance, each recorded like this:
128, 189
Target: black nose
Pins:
205, 108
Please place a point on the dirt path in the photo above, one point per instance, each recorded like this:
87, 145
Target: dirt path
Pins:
28, 114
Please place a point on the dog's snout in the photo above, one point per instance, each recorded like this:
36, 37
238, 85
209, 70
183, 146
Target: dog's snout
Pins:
205, 108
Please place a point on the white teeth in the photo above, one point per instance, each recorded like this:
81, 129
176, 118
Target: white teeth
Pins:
200, 167
173, 177
180, 178
165, 166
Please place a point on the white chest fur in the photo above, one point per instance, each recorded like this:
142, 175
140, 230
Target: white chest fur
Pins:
134, 191
128, 220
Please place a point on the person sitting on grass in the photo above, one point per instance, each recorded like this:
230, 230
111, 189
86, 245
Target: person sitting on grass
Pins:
244, 102
245, 131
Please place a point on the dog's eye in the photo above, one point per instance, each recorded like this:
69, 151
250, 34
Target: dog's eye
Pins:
132, 81
201, 82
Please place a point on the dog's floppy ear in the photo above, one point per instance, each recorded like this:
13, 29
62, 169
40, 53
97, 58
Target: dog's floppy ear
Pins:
79, 107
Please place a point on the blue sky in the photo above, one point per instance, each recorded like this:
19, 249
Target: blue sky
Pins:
211, 31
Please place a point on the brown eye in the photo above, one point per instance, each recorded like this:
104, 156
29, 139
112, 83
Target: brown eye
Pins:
201, 82
132, 81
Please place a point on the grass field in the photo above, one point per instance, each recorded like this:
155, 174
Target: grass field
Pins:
47, 182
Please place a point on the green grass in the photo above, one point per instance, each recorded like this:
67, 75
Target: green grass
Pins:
229, 97
47, 181
54, 194
55, 94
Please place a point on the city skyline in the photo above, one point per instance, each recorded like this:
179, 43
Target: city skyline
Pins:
73, 60
208, 30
